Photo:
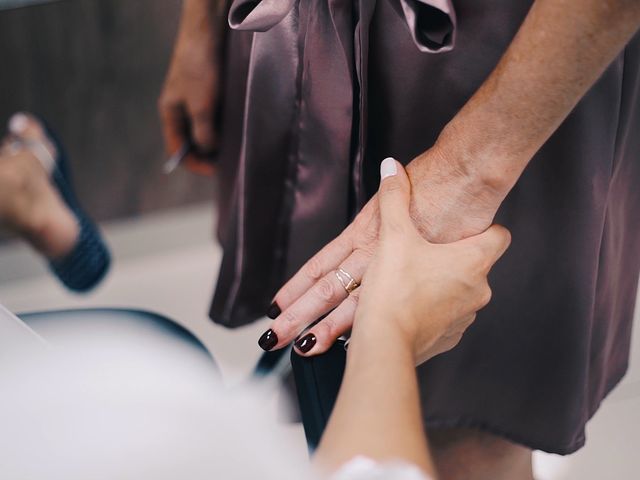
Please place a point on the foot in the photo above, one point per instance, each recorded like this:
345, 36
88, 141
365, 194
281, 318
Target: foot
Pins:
29, 203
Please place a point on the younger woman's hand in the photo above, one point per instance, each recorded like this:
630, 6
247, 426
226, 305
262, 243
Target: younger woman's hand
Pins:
429, 292
423, 293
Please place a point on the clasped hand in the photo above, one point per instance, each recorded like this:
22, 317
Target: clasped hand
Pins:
429, 291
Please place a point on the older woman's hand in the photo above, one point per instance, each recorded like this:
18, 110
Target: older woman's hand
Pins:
446, 204
428, 292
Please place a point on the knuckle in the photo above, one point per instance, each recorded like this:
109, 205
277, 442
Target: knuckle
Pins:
503, 233
327, 329
362, 255
390, 187
364, 229
455, 340
464, 323
284, 297
165, 103
393, 226
325, 290
313, 269
368, 238
345, 241
354, 298
485, 265
359, 223
507, 237
288, 317
485, 295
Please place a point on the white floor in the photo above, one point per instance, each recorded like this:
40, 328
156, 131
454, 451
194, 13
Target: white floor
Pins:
168, 262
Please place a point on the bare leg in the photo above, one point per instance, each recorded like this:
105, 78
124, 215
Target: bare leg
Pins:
467, 454
29, 204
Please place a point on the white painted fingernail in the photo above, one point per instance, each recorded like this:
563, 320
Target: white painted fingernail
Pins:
388, 168
18, 123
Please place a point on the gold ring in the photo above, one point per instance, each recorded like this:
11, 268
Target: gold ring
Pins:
348, 282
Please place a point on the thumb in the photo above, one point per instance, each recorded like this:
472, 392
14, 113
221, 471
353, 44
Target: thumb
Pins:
394, 195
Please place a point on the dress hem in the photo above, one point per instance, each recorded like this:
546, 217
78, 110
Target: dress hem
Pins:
437, 422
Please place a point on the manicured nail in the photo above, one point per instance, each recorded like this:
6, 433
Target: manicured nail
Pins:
274, 311
388, 168
306, 343
18, 123
268, 340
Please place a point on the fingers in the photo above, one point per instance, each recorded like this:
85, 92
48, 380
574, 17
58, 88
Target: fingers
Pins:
203, 130
326, 260
174, 125
320, 337
490, 244
394, 196
494, 241
204, 139
197, 165
326, 294
189, 121
466, 322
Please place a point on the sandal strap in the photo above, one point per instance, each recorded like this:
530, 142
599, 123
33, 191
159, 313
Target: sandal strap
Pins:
87, 263
37, 149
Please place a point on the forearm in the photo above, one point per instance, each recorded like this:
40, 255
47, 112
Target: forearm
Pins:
559, 52
377, 413
202, 17
203, 7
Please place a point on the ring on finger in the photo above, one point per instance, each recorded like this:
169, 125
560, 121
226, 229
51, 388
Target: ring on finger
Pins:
346, 280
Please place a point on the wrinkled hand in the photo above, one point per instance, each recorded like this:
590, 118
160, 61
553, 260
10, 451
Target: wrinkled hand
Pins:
446, 205
428, 292
189, 98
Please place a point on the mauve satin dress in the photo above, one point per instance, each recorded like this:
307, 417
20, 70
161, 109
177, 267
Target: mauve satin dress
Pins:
318, 92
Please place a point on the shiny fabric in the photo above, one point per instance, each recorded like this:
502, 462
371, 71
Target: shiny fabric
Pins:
319, 91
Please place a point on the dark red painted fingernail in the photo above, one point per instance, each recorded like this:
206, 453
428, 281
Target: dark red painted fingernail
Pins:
306, 343
268, 340
274, 311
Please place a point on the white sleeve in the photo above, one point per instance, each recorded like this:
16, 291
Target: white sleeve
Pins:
362, 468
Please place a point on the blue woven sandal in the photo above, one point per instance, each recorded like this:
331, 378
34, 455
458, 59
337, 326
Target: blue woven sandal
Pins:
89, 260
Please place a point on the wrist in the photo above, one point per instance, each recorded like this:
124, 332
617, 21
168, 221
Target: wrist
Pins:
480, 165
452, 196
377, 336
